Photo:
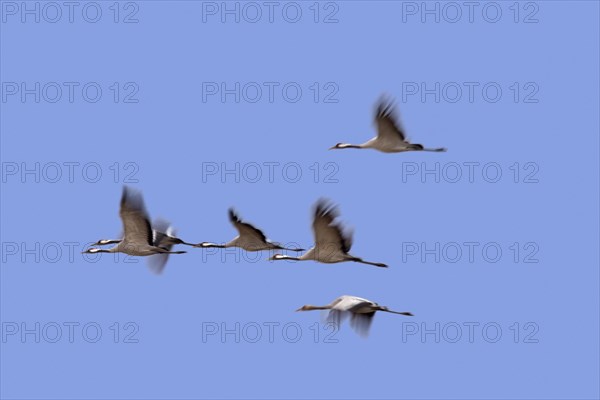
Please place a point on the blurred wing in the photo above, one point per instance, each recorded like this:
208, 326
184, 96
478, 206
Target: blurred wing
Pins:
336, 317
136, 224
327, 232
157, 262
246, 229
160, 231
388, 126
361, 323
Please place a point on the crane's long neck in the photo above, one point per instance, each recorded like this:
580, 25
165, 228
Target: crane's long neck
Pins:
208, 245
349, 146
438, 149
285, 257
96, 250
310, 308
108, 241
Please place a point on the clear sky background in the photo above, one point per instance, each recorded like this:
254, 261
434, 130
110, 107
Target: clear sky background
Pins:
164, 132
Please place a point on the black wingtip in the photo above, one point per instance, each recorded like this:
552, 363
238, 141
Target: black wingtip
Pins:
232, 215
162, 225
125, 194
132, 198
324, 207
384, 106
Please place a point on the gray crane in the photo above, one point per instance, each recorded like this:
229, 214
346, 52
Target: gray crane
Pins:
332, 242
390, 134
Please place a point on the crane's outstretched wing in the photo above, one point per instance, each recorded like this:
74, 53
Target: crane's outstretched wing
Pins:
245, 229
161, 231
136, 224
361, 323
336, 317
361, 313
327, 232
388, 125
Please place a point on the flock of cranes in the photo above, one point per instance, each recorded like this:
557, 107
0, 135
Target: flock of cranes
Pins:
332, 241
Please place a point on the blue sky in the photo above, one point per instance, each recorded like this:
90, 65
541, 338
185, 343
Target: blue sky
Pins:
492, 245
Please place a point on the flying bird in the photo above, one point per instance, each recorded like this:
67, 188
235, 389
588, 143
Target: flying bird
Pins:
361, 312
391, 137
163, 236
138, 238
165, 233
249, 237
332, 242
